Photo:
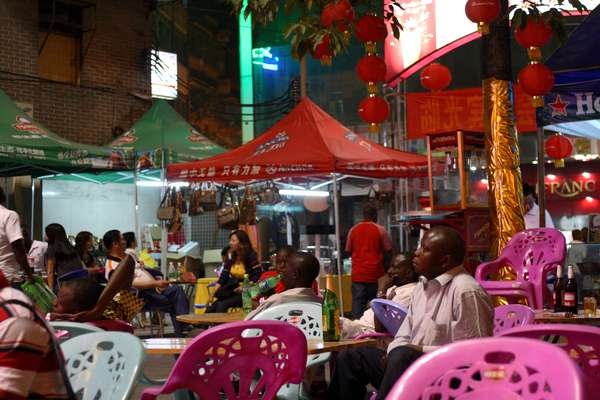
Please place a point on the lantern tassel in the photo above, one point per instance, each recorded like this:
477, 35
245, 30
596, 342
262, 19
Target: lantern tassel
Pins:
373, 127
371, 48
535, 54
326, 61
559, 163
483, 28
538, 101
372, 88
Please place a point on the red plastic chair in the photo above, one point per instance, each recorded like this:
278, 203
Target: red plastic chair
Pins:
510, 316
532, 253
496, 368
581, 342
241, 360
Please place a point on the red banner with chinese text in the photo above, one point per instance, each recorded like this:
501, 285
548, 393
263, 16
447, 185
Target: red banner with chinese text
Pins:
459, 109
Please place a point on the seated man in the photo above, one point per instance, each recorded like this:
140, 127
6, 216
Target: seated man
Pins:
30, 365
156, 293
396, 285
281, 261
446, 306
298, 277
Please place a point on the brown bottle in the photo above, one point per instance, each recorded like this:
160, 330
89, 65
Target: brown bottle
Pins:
559, 285
570, 293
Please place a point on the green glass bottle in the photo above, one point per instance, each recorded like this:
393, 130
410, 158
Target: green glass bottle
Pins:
331, 312
246, 296
264, 285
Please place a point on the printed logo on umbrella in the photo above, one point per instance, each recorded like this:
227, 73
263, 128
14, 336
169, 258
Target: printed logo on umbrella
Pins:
24, 124
127, 138
196, 137
277, 143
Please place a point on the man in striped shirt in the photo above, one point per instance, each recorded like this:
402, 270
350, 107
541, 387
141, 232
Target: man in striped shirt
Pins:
30, 367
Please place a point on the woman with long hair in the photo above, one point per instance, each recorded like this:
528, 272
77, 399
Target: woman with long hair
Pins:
241, 260
84, 244
61, 256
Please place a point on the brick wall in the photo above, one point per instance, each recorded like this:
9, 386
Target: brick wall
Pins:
113, 68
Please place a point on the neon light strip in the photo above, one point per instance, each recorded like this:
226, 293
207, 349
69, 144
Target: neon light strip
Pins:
246, 79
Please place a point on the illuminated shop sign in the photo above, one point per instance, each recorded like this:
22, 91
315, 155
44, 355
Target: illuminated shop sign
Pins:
581, 185
262, 56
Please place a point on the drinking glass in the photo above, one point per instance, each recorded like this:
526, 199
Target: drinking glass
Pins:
589, 307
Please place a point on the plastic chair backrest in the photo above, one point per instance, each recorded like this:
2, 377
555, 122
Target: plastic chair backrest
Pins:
73, 329
533, 249
491, 368
103, 365
581, 342
512, 315
307, 316
389, 313
274, 350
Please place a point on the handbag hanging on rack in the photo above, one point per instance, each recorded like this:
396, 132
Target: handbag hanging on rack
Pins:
269, 194
166, 210
228, 215
248, 208
195, 206
207, 197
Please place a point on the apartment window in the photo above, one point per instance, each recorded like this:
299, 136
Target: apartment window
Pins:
61, 28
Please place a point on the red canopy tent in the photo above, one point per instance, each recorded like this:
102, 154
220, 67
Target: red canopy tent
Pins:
306, 142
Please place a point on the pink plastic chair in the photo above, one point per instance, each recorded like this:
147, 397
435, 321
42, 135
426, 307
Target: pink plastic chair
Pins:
510, 316
532, 253
581, 342
389, 313
259, 356
496, 368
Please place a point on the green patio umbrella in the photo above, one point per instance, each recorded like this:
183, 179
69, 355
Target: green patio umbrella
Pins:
162, 130
29, 148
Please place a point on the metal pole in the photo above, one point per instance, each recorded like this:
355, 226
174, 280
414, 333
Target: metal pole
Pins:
32, 229
136, 205
336, 212
541, 166
164, 242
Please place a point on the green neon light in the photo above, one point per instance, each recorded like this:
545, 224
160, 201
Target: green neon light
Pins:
246, 80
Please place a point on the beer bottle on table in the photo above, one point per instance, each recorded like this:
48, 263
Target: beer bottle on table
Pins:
570, 293
331, 312
246, 297
559, 285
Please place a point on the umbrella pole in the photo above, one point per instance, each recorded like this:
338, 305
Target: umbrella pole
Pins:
541, 166
336, 211
32, 229
163, 231
136, 205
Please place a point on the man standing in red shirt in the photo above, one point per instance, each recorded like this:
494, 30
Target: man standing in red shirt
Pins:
367, 242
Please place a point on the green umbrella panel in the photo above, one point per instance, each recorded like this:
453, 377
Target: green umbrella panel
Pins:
29, 148
160, 128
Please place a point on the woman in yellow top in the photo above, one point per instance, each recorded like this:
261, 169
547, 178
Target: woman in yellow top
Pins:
241, 260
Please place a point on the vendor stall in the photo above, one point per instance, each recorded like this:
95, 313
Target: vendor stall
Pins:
306, 143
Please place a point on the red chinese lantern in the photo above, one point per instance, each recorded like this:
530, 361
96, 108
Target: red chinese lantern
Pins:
345, 10
323, 51
371, 69
374, 110
482, 12
535, 35
436, 77
370, 29
330, 14
536, 80
558, 147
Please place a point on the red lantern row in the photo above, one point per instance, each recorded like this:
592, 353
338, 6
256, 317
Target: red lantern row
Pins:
374, 110
558, 147
322, 51
535, 79
436, 77
339, 13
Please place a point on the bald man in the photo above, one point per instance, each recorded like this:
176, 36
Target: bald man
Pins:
298, 277
446, 306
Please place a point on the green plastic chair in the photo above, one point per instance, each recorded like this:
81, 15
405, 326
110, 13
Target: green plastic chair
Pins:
103, 365
73, 329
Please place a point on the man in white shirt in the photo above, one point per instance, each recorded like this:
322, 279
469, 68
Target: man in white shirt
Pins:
532, 210
396, 285
446, 306
36, 252
13, 258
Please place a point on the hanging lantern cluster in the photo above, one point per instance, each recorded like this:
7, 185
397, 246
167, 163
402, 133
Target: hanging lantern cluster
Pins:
536, 79
482, 12
558, 147
371, 69
435, 77
340, 14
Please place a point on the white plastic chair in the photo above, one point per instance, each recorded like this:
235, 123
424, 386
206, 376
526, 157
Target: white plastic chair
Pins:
308, 317
103, 365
